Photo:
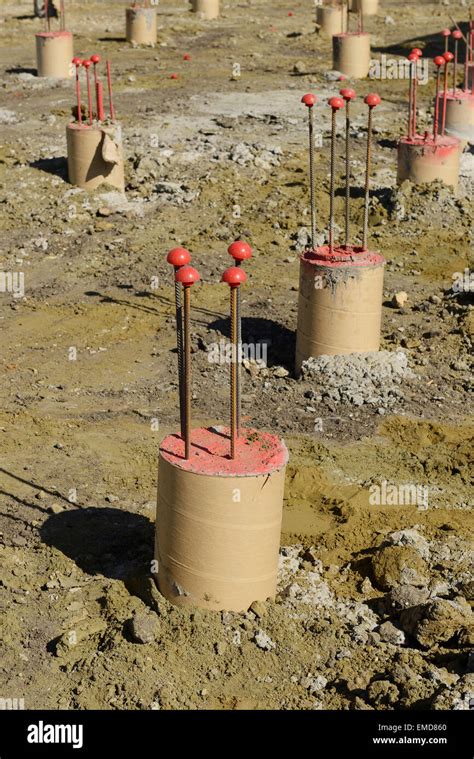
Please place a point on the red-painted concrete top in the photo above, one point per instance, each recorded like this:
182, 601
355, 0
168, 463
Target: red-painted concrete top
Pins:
442, 144
63, 33
256, 452
83, 125
342, 255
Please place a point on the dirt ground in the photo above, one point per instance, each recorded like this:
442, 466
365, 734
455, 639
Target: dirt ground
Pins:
88, 375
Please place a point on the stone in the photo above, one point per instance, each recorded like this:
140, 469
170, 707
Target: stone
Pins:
258, 608
263, 641
382, 693
220, 648
300, 68
314, 684
391, 634
103, 211
399, 299
280, 371
437, 621
56, 508
145, 627
399, 565
406, 596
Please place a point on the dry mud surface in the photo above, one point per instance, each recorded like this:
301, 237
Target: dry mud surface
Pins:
373, 609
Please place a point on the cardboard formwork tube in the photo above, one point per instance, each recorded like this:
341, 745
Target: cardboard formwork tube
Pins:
141, 25
469, 84
368, 7
218, 520
94, 156
206, 9
422, 160
460, 115
331, 19
351, 54
54, 53
339, 303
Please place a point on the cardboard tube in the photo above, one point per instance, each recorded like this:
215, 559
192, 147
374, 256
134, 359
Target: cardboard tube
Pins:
421, 160
469, 83
141, 25
54, 53
351, 54
206, 9
340, 302
460, 116
218, 520
94, 156
331, 19
368, 7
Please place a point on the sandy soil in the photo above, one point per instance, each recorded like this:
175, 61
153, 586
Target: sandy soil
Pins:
211, 157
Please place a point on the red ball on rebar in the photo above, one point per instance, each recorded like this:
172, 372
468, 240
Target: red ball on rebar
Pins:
187, 275
240, 250
336, 103
178, 257
234, 276
309, 99
347, 94
372, 99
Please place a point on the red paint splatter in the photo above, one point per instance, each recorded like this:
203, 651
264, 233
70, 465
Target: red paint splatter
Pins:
257, 452
342, 256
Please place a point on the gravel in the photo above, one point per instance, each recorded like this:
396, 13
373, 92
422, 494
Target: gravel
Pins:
360, 378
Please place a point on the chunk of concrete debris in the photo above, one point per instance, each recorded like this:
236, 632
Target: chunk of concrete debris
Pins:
314, 684
399, 565
411, 537
264, 641
391, 634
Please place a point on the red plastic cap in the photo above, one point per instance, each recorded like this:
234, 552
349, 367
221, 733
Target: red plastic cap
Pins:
347, 94
372, 99
234, 276
77, 61
179, 257
309, 99
457, 34
446, 32
336, 103
439, 60
187, 275
413, 57
95, 58
239, 250
417, 51
186, 57
448, 56
174, 76
86, 64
